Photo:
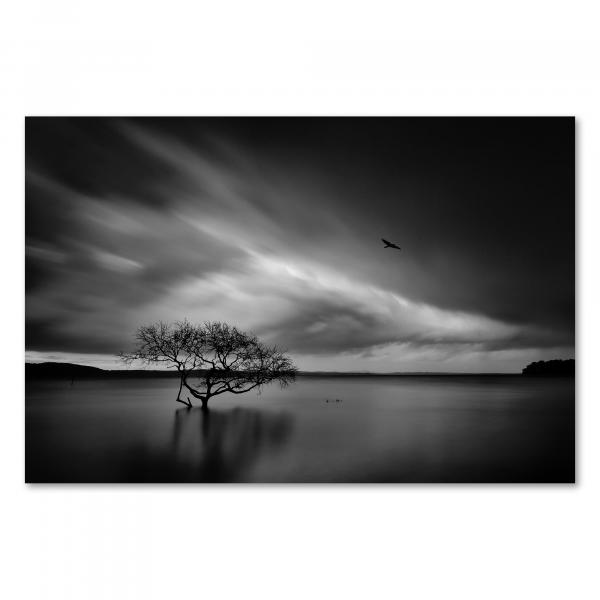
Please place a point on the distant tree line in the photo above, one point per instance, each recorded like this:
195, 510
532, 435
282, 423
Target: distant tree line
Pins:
551, 367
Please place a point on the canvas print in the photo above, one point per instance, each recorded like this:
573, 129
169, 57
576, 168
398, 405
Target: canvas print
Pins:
299, 300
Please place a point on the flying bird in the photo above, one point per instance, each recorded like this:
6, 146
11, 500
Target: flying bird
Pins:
390, 245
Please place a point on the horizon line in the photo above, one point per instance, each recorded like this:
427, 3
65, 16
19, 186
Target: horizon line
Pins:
299, 372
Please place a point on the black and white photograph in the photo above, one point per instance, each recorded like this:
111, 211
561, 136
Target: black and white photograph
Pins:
300, 300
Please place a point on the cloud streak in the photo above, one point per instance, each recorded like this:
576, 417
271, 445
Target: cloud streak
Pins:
130, 221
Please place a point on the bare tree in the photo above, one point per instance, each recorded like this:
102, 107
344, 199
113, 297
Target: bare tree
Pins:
212, 359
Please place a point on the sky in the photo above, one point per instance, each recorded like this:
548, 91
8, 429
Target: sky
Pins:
274, 225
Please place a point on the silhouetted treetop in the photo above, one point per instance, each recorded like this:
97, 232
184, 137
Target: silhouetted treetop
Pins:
219, 356
551, 367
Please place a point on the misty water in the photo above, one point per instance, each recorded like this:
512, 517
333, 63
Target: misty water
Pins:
329, 429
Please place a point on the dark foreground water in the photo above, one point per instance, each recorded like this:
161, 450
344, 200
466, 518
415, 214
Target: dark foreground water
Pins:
380, 429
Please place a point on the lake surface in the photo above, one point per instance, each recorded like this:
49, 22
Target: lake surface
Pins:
321, 430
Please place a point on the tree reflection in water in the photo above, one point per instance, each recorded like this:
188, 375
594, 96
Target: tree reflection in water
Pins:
212, 446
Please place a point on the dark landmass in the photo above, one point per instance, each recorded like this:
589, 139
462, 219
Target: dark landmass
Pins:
551, 368
74, 372
53, 370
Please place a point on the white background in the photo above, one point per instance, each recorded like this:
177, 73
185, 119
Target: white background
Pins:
351, 58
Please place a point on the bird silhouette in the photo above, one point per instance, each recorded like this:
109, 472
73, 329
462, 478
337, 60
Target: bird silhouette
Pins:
390, 245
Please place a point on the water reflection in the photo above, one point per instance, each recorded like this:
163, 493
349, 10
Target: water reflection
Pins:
211, 446
436, 429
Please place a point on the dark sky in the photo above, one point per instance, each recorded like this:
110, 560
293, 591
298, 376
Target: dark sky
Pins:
275, 225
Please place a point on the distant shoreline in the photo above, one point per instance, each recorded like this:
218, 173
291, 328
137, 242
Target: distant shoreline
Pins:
69, 370
55, 370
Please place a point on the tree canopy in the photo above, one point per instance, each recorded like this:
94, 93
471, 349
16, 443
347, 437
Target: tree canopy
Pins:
212, 358
555, 367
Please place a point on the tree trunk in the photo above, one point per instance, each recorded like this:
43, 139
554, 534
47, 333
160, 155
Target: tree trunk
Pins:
203, 398
180, 386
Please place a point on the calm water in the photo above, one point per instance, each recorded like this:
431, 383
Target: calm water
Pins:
384, 429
